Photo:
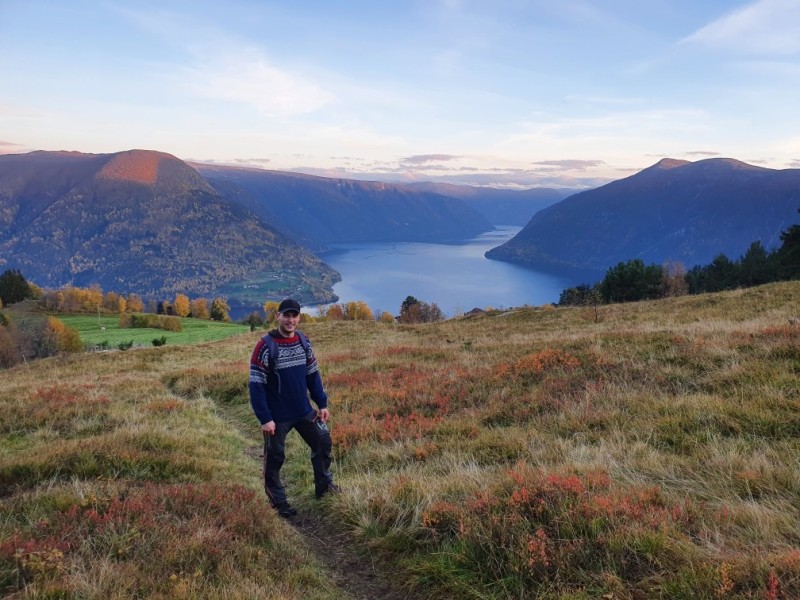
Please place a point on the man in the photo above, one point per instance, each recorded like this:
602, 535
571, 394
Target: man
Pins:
283, 372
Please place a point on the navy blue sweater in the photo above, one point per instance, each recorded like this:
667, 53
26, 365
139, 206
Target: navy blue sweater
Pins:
278, 392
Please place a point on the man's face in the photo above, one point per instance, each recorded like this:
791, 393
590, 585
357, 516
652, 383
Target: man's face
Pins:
287, 322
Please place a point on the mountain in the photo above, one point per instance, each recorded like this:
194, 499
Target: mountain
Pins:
499, 206
145, 222
319, 210
673, 211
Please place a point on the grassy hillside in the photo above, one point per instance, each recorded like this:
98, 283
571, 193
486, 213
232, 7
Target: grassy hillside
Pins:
651, 452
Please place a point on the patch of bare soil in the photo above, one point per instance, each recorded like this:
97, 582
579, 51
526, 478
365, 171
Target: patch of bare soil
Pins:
353, 567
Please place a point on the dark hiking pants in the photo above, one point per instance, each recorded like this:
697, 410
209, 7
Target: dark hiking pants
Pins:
315, 433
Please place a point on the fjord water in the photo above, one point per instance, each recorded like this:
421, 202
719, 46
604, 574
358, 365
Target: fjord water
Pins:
456, 276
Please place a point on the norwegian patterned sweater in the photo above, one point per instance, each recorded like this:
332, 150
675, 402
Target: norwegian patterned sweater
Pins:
278, 392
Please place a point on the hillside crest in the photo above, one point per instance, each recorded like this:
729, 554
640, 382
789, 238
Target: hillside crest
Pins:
678, 211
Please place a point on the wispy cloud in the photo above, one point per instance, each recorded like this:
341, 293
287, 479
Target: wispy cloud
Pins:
770, 27
11, 148
257, 83
510, 179
427, 158
701, 153
253, 162
571, 164
222, 66
469, 170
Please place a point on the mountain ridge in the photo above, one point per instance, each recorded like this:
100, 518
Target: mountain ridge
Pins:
138, 221
499, 206
320, 210
147, 222
688, 212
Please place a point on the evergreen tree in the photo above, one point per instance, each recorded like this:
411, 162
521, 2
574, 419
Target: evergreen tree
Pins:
757, 266
696, 280
788, 255
631, 281
13, 287
721, 274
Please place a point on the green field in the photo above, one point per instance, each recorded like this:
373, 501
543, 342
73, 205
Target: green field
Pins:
95, 330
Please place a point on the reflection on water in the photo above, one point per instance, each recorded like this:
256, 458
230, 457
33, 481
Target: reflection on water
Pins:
457, 277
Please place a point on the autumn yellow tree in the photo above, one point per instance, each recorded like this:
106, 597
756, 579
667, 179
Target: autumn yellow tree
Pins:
93, 297
220, 310
110, 301
199, 308
134, 303
69, 299
66, 339
270, 310
334, 312
182, 307
357, 310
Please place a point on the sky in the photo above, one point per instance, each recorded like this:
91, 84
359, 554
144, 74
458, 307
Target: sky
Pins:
509, 93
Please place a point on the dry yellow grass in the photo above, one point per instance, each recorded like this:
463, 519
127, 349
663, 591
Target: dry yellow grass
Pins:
115, 486
648, 450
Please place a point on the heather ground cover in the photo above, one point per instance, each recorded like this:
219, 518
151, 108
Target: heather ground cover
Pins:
113, 486
647, 450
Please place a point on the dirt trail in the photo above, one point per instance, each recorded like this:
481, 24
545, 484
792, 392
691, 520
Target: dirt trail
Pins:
351, 566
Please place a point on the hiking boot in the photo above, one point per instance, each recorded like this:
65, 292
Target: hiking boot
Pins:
285, 510
331, 489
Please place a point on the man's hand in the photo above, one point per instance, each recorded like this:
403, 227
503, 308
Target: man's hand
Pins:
323, 415
268, 428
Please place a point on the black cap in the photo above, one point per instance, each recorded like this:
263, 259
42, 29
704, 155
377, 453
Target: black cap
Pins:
289, 304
